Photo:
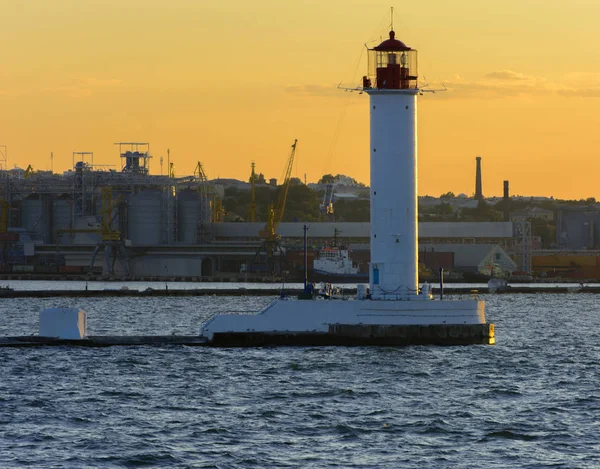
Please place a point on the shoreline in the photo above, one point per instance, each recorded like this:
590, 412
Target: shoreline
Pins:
276, 291
251, 278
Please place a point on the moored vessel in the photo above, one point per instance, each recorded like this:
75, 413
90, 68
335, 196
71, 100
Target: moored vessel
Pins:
335, 266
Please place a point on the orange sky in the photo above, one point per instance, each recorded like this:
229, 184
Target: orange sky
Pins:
231, 82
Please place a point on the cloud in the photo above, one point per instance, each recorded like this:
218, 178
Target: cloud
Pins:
581, 93
508, 83
508, 75
497, 85
581, 84
583, 77
315, 90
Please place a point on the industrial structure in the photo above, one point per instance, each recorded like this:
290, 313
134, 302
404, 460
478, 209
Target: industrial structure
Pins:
50, 219
127, 223
478, 182
124, 222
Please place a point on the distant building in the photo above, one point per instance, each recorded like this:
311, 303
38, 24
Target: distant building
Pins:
578, 228
487, 259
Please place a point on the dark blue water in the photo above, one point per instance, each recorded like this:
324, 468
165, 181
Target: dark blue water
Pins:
531, 401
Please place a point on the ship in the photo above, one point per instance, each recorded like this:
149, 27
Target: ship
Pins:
335, 266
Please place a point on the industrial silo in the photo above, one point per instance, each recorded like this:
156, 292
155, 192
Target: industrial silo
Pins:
34, 218
145, 223
189, 208
62, 210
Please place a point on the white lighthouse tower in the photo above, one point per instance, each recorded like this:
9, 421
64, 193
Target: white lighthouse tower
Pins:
393, 88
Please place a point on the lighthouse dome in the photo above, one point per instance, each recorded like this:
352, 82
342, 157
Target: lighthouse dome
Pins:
392, 44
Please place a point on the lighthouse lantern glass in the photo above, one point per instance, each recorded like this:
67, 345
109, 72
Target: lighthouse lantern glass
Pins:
393, 69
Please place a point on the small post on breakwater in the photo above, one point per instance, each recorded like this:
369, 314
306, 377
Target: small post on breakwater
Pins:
441, 283
305, 259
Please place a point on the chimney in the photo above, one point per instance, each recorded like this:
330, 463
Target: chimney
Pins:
506, 202
478, 192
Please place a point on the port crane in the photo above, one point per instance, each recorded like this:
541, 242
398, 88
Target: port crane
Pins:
110, 239
326, 207
270, 244
28, 172
275, 212
199, 173
208, 206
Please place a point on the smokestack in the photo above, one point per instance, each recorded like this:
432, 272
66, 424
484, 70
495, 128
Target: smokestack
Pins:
506, 201
478, 192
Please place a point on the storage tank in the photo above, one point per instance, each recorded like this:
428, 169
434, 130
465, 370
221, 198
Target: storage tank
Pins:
62, 209
189, 206
145, 218
33, 218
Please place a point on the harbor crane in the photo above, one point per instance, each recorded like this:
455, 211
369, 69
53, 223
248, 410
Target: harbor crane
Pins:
326, 207
270, 243
199, 173
275, 212
110, 239
28, 172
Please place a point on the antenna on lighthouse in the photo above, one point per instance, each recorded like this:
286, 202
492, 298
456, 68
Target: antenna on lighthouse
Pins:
391, 18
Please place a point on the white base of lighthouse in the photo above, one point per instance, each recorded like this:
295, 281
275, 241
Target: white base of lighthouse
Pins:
353, 322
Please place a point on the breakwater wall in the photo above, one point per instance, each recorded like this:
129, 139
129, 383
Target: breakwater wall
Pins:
7, 293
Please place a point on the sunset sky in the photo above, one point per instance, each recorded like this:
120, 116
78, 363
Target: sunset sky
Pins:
227, 83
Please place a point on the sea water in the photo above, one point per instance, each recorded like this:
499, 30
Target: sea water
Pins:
530, 401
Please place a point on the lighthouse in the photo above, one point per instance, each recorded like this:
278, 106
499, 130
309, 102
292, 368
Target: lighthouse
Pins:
396, 311
392, 87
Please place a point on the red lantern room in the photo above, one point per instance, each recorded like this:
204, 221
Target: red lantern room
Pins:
392, 66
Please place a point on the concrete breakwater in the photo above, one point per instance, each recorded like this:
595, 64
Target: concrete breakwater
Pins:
102, 341
341, 335
275, 291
